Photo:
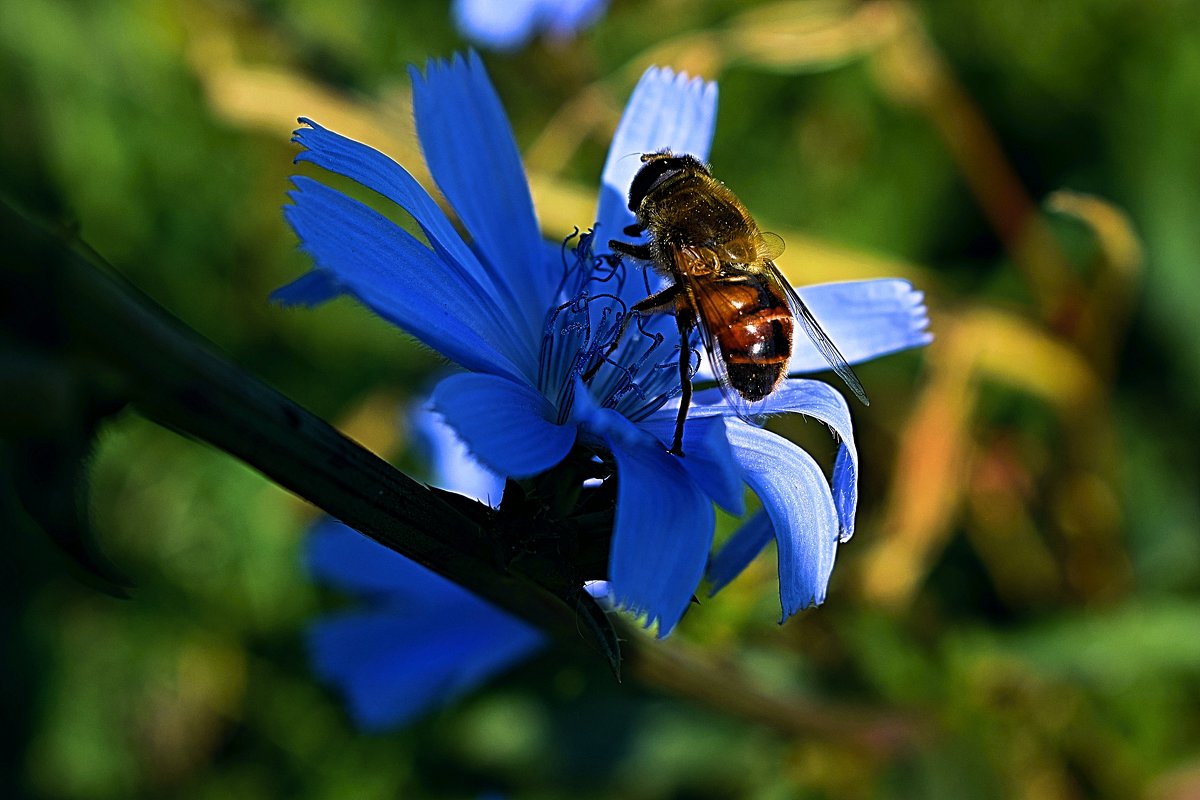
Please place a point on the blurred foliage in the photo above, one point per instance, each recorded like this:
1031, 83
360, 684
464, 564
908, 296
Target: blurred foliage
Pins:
1027, 569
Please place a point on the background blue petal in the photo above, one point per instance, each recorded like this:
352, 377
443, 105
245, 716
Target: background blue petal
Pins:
395, 664
397, 277
310, 289
563, 17
510, 24
508, 427
865, 319
423, 643
343, 557
797, 499
471, 153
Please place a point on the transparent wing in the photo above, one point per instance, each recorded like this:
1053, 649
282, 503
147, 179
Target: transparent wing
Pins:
821, 339
770, 246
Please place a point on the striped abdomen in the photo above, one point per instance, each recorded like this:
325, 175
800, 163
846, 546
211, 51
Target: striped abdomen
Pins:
752, 328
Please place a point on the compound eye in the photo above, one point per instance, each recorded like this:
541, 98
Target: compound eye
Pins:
649, 176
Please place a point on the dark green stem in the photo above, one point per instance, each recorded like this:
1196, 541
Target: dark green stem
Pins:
64, 299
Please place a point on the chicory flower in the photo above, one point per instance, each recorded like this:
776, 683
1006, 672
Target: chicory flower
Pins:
527, 321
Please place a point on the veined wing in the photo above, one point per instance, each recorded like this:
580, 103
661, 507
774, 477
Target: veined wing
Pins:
824, 344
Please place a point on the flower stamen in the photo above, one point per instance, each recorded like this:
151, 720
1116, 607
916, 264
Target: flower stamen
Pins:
581, 339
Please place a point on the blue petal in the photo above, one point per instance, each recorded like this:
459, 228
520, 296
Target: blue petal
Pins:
811, 398
395, 664
865, 319
453, 468
664, 524
707, 456
471, 153
741, 548
666, 110
797, 500
397, 277
508, 427
377, 172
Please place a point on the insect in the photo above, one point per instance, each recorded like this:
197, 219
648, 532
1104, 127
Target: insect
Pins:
724, 281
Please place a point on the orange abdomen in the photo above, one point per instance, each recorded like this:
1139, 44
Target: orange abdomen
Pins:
756, 340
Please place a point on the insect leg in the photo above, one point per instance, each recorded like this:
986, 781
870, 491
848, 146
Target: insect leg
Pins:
639, 251
683, 316
635, 229
655, 303
658, 302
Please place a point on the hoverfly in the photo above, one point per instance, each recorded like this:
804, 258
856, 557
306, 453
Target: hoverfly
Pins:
724, 281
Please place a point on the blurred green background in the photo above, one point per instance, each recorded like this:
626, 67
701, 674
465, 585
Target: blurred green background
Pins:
1026, 573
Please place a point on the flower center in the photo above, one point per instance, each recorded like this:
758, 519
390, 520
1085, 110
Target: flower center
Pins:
634, 372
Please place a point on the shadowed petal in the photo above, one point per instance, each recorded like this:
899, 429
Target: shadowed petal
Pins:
865, 319
469, 147
739, 550
397, 277
664, 524
508, 427
845, 487
797, 500
707, 456
343, 557
666, 110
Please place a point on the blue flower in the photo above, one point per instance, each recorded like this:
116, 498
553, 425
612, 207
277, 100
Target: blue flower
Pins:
526, 320
509, 24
